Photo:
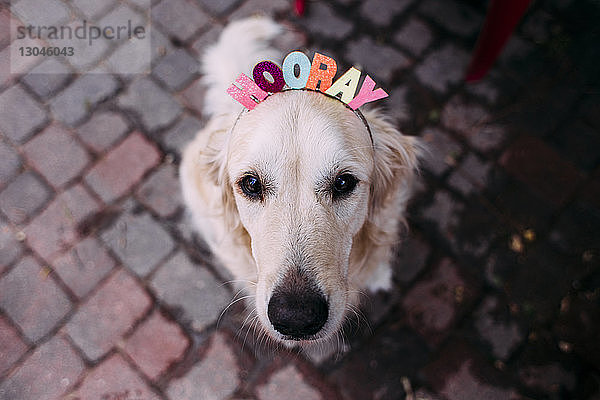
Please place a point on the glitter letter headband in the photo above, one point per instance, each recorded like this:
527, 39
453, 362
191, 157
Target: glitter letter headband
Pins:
317, 76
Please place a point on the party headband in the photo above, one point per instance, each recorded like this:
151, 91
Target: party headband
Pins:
315, 76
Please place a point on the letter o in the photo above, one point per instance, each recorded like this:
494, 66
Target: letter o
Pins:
258, 73
301, 60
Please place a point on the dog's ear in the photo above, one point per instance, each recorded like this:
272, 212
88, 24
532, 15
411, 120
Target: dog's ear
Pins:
215, 162
396, 161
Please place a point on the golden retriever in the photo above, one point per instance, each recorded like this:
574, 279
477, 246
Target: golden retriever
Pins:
296, 198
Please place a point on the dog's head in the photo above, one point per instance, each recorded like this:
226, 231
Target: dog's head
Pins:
302, 176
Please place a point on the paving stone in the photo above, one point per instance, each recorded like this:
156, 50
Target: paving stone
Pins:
398, 104
45, 152
494, 327
75, 102
93, 9
47, 78
84, 266
415, 36
12, 346
443, 68
382, 12
136, 56
24, 197
5, 27
179, 18
139, 242
123, 167
103, 130
379, 60
219, 357
20, 115
55, 229
85, 57
122, 15
460, 374
471, 176
12, 64
218, 7
10, 162
411, 258
191, 288
322, 20
540, 167
434, 304
260, 7
373, 371
580, 143
102, 320
576, 230
182, 133
35, 314
442, 151
287, 383
193, 96
176, 69
474, 123
30, 12
547, 378
445, 212
111, 380
46, 374
212, 35
10, 248
456, 17
155, 345
154, 106
161, 191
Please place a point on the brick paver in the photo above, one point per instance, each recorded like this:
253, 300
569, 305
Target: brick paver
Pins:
20, 114
181, 283
103, 130
106, 291
57, 226
24, 197
114, 379
123, 167
46, 374
219, 357
12, 346
139, 242
102, 320
32, 299
156, 344
82, 267
45, 153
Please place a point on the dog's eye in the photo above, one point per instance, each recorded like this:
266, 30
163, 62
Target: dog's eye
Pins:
344, 184
251, 187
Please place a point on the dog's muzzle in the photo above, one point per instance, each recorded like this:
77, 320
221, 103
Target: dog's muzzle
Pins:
297, 309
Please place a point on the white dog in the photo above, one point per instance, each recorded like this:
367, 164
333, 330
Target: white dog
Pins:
296, 198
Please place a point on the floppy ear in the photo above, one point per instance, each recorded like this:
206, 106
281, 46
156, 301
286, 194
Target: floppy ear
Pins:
396, 163
214, 159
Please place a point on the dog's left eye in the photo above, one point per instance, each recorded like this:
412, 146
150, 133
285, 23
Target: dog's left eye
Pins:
344, 184
251, 187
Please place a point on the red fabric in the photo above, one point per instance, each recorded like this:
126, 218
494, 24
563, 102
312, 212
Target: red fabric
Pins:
501, 19
299, 6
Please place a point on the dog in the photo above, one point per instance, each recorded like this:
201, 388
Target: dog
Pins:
299, 199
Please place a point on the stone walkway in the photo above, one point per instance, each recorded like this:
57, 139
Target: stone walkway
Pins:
106, 293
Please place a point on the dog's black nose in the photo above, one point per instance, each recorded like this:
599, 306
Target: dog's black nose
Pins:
298, 315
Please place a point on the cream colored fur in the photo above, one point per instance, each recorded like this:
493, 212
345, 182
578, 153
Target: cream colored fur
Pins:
296, 140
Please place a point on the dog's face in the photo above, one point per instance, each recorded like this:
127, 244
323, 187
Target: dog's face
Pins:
301, 170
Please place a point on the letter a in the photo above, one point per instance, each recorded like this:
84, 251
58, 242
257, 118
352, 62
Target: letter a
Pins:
346, 85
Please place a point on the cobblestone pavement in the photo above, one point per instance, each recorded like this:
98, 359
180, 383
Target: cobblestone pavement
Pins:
106, 293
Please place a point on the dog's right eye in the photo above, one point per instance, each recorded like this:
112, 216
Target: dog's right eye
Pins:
251, 187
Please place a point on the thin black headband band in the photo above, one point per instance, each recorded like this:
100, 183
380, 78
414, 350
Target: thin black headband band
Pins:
356, 112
